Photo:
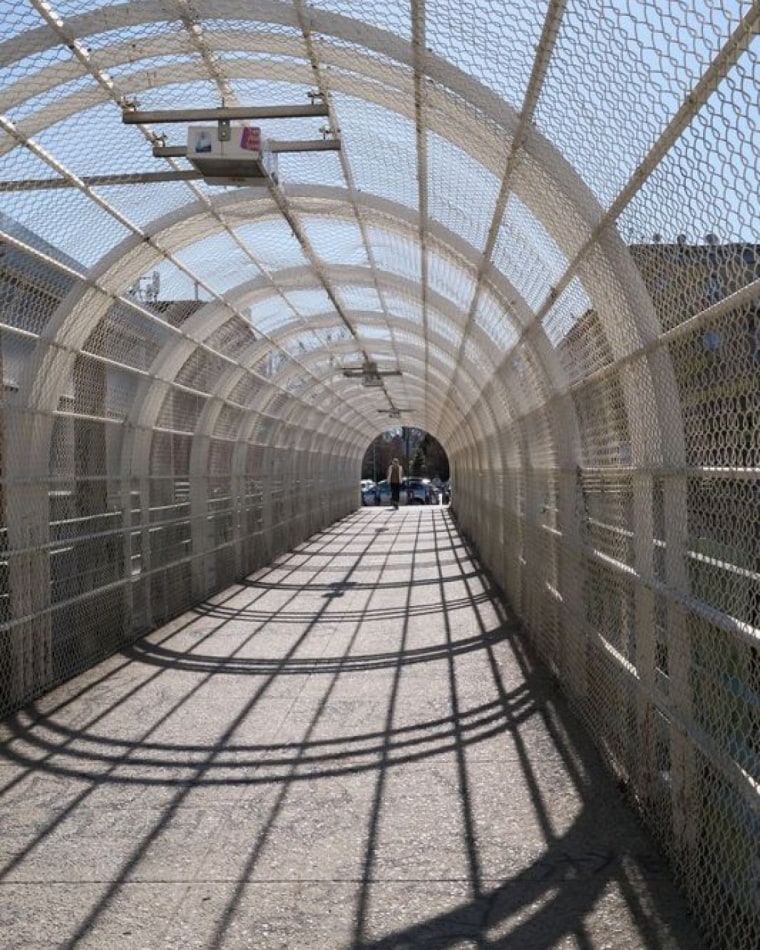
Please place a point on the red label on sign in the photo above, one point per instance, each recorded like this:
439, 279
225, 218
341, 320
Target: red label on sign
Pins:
251, 139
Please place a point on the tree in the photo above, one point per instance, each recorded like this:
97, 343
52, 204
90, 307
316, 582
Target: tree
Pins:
377, 458
418, 451
436, 460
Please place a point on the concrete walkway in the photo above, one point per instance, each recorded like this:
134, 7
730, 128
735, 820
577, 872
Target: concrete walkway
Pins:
352, 748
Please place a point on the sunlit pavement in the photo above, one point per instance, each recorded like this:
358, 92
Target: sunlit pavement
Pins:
352, 748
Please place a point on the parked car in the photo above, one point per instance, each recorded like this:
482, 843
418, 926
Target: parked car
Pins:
420, 491
442, 490
379, 493
414, 491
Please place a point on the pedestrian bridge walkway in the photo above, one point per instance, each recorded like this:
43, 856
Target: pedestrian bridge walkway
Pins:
241, 239
353, 747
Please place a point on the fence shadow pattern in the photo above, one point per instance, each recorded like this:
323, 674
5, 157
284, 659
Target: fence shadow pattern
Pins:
352, 748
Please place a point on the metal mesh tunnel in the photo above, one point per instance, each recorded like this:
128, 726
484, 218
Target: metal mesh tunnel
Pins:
540, 217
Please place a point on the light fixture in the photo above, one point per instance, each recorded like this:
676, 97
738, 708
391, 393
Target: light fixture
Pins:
227, 154
369, 373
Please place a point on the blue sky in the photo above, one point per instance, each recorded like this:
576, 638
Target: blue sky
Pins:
603, 120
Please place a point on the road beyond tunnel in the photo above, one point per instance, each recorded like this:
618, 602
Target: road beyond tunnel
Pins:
353, 747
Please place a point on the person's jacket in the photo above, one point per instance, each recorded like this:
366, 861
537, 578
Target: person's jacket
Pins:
400, 473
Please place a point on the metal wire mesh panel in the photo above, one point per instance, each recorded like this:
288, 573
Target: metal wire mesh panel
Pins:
542, 219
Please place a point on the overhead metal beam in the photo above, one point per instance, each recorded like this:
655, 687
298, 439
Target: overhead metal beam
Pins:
137, 117
170, 151
276, 145
304, 145
353, 372
139, 178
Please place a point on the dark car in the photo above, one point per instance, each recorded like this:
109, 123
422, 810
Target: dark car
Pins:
414, 491
378, 494
419, 491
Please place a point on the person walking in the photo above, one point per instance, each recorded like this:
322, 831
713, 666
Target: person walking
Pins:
395, 477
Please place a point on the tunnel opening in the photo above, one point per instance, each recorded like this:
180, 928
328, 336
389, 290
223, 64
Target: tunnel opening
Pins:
424, 468
419, 452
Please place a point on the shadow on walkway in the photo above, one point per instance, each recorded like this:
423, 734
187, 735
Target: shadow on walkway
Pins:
351, 748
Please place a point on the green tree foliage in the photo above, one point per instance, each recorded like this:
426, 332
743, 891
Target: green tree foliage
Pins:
436, 460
